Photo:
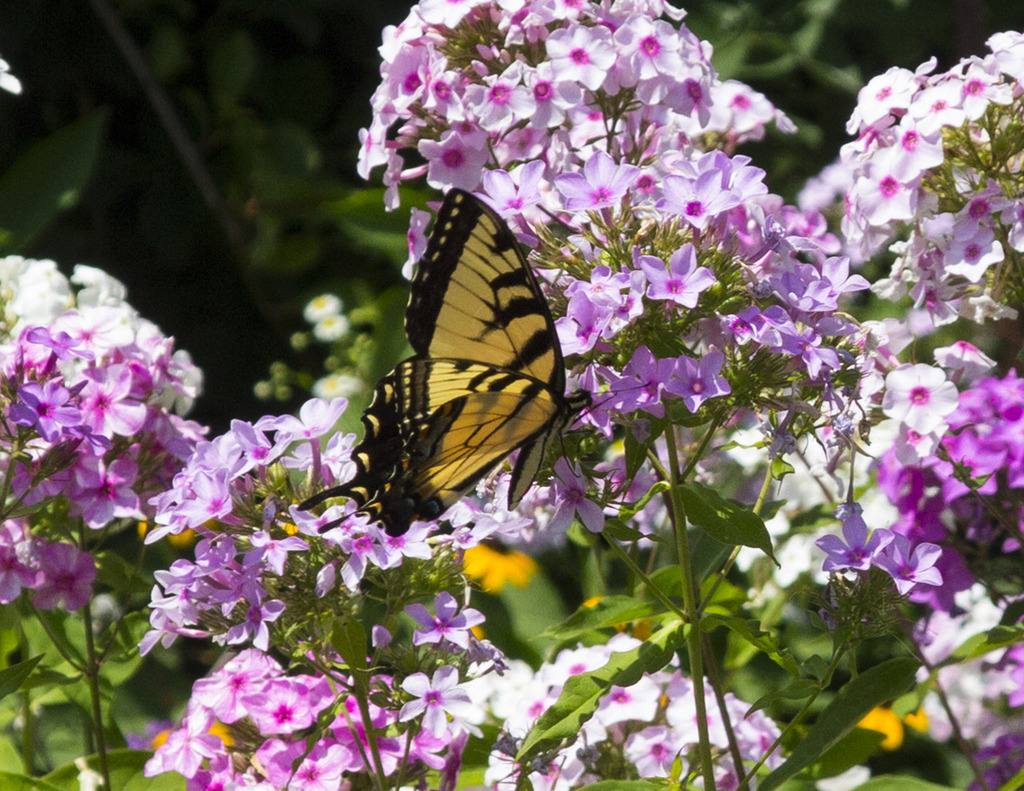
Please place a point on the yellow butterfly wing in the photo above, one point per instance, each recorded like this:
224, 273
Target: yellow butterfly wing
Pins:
487, 377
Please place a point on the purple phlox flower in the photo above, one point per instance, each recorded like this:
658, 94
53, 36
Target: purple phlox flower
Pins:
59, 342
316, 418
45, 408
602, 183
18, 560
642, 382
695, 381
310, 524
448, 625
362, 549
447, 13
919, 396
653, 750
416, 237
102, 492
272, 551
806, 344
66, 576
435, 699
910, 568
457, 159
255, 628
648, 49
855, 550
187, 747
569, 491
581, 54
210, 498
697, 200
511, 192
256, 449
583, 324
412, 543
224, 692
972, 256
882, 197
107, 405
682, 283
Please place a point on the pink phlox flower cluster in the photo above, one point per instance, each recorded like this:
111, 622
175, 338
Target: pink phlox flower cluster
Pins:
906, 125
91, 393
547, 92
940, 496
632, 719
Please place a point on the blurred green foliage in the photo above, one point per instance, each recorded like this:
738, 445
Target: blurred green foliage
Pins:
224, 252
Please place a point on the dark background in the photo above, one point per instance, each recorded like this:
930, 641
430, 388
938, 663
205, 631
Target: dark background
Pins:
270, 96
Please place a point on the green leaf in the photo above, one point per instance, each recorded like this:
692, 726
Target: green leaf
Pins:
852, 750
902, 783
231, 66
992, 640
47, 179
874, 686
725, 520
610, 611
750, 631
582, 693
624, 785
126, 767
15, 782
11, 678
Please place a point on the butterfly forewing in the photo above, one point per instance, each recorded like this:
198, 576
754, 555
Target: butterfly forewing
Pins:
475, 298
487, 377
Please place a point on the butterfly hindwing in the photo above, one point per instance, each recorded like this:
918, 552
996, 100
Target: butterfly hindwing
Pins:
487, 377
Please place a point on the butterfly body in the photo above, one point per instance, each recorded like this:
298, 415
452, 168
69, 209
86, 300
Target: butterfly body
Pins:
487, 377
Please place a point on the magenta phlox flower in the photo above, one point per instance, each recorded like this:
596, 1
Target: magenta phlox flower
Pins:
919, 396
883, 94
103, 492
435, 699
602, 183
101, 328
281, 707
552, 97
569, 492
457, 159
971, 257
66, 575
581, 54
684, 280
449, 625
272, 551
364, 548
695, 381
648, 49
856, 549
806, 343
412, 543
322, 769
45, 408
224, 691
501, 99
416, 237
188, 747
59, 342
910, 567
19, 560
881, 195
317, 417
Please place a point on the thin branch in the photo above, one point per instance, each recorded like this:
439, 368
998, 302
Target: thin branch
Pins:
175, 129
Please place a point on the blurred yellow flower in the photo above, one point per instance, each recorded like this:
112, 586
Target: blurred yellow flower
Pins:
883, 720
493, 567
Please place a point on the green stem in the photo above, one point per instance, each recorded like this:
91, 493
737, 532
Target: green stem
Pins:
92, 677
654, 589
27, 750
693, 642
